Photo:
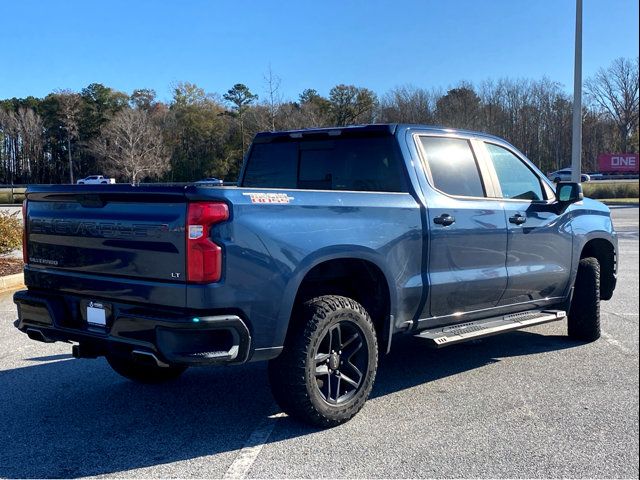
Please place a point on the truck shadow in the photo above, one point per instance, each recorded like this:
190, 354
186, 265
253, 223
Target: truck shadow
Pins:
71, 418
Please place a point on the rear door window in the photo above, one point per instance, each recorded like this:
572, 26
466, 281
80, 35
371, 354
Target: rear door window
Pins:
452, 166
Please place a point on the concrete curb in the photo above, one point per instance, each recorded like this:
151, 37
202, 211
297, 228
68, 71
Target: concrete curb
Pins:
11, 282
621, 204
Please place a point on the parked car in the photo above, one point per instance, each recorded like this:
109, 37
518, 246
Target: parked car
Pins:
95, 180
335, 241
564, 175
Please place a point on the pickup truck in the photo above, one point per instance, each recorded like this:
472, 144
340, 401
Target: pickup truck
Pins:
96, 180
334, 241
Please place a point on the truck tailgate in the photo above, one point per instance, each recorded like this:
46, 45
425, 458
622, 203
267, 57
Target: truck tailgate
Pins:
111, 231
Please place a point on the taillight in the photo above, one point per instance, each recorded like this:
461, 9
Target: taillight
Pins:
25, 256
204, 257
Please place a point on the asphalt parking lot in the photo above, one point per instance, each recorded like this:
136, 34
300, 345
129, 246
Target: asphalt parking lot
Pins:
525, 404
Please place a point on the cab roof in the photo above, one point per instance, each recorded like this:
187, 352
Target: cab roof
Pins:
376, 129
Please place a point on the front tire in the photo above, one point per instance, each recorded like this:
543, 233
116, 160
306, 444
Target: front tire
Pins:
584, 314
143, 373
329, 362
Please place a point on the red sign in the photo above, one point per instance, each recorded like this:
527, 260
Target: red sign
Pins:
618, 162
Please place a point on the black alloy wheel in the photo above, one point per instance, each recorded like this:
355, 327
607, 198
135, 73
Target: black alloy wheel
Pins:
328, 365
341, 358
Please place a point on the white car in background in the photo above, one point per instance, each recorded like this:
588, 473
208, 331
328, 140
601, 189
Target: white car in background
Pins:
564, 175
95, 180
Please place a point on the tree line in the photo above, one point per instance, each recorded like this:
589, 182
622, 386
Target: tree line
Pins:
136, 137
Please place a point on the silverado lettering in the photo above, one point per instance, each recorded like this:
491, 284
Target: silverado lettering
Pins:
82, 228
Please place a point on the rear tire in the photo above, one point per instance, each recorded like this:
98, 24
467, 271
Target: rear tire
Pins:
142, 373
327, 368
584, 314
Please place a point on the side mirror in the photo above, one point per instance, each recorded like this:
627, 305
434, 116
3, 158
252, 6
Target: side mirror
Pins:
569, 192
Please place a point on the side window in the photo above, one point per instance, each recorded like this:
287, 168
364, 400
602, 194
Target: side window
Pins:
516, 179
453, 167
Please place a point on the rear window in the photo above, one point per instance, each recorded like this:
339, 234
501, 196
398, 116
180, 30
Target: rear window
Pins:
453, 166
358, 164
272, 165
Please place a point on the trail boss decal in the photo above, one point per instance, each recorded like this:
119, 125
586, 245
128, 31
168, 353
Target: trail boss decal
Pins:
278, 198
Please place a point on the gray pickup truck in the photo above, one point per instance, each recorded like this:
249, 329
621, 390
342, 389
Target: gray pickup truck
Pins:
334, 241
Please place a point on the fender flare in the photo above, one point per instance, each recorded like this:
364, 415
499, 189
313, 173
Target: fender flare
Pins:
583, 241
336, 252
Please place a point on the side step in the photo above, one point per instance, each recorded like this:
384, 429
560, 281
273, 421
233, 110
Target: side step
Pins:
452, 334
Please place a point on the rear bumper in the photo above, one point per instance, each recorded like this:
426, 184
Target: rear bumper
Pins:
175, 338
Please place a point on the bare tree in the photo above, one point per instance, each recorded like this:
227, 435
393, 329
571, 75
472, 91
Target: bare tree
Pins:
10, 142
408, 104
31, 129
615, 91
131, 146
69, 105
23, 142
274, 100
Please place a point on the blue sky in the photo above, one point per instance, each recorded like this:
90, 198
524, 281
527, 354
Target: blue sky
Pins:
375, 44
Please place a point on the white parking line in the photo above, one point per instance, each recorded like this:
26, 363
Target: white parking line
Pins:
623, 314
612, 341
248, 454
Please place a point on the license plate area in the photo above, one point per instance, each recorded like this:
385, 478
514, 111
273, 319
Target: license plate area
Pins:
96, 314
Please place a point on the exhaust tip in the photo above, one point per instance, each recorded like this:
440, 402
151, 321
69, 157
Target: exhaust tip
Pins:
38, 336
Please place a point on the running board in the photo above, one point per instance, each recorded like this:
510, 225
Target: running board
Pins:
452, 334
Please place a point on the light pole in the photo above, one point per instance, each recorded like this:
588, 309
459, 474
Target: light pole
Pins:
576, 139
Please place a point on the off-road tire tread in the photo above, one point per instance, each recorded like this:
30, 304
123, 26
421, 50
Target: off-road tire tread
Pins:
584, 315
143, 373
287, 371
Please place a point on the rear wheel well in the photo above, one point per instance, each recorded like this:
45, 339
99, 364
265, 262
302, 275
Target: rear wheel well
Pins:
603, 251
358, 279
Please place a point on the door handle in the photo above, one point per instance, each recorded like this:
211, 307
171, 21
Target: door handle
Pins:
518, 219
445, 220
